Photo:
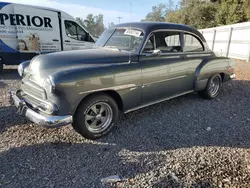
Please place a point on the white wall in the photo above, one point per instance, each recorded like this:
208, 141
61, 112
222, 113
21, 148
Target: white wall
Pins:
231, 40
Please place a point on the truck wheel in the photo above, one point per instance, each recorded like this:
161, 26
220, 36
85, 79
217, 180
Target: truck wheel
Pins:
213, 87
96, 116
1, 67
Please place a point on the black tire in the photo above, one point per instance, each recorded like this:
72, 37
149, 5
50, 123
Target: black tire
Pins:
83, 123
1, 67
213, 87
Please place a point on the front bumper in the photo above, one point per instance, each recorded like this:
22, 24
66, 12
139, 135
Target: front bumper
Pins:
45, 120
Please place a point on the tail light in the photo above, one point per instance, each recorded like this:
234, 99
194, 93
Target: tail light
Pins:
231, 70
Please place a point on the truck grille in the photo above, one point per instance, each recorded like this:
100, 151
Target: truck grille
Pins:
33, 90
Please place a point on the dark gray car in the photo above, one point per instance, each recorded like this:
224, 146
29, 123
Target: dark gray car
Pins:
133, 65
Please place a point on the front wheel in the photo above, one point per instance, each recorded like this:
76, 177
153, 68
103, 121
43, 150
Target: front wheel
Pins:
213, 87
96, 116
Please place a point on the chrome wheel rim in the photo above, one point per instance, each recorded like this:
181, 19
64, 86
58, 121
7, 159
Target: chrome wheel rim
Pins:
98, 117
214, 86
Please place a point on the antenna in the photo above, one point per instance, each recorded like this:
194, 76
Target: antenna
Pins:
119, 18
129, 60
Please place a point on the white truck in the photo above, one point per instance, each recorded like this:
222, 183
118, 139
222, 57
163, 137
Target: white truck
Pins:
26, 31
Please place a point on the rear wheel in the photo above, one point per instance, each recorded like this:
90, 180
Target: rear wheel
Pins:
213, 87
96, 116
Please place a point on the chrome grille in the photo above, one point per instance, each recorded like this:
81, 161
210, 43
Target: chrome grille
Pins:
33, 90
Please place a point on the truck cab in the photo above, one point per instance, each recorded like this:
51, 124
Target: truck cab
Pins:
26, 31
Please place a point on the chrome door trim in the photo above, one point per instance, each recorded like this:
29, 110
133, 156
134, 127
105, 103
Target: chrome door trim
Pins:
157, 101
178, 77
198, 55
115, 88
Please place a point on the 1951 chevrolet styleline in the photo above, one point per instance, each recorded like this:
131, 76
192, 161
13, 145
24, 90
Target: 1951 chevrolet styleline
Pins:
133, 65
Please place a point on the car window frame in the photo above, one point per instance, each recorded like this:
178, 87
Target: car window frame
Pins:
205, 50
198, 38
180, 38
136, 28
77, 25
154, 43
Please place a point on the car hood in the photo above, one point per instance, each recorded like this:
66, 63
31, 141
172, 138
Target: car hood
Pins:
44, 65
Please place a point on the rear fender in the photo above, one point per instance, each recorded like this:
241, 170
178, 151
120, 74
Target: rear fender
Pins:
208, 68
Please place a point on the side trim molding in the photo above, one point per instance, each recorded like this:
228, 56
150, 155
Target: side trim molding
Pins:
174, 78
157, 101
116, 88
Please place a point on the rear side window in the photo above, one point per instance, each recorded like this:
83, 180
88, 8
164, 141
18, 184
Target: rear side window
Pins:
165, 41
192, 44
173, 40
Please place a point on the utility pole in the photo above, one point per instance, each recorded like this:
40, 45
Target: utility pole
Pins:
119, 18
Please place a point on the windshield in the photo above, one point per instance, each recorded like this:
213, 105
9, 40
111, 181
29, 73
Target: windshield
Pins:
121, 38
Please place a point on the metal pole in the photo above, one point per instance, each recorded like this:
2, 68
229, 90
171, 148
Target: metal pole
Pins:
119, 18
229, 41
213, 39
248, 57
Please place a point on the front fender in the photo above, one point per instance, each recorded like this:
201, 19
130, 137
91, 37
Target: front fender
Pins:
72, 86
70, 83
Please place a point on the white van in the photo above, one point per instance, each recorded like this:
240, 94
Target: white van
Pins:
26, 31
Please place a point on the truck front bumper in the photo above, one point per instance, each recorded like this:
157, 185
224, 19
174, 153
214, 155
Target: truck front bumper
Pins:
42, 119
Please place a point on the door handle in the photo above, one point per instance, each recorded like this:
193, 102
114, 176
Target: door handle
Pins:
56, 40
66, 41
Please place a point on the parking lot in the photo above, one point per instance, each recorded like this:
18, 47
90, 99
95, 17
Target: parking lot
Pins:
187, 141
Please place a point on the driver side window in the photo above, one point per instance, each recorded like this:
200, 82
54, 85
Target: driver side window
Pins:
165, 41
73, 30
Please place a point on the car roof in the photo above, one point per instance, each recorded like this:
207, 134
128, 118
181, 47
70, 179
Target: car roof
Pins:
149, 27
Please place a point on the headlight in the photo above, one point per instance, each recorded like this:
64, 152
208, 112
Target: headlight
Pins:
48, 85
23, 68
20, 69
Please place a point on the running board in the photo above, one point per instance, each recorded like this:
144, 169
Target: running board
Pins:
158, 101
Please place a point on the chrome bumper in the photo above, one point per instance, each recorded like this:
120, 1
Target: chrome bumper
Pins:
232, 76
48, 121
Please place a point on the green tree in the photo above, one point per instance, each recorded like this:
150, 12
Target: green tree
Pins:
157, 14
94, 24
159, 11
90, 23
81, 22
99, 26
194, 13
231, 11
246, 5
202, 13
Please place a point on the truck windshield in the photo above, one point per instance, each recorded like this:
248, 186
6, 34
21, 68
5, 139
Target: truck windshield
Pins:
121, 38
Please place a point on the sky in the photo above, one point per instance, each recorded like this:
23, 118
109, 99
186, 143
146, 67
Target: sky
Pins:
111, 9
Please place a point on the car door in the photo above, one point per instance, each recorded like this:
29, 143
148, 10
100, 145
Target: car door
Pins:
163, 66
75, 37
195, 52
